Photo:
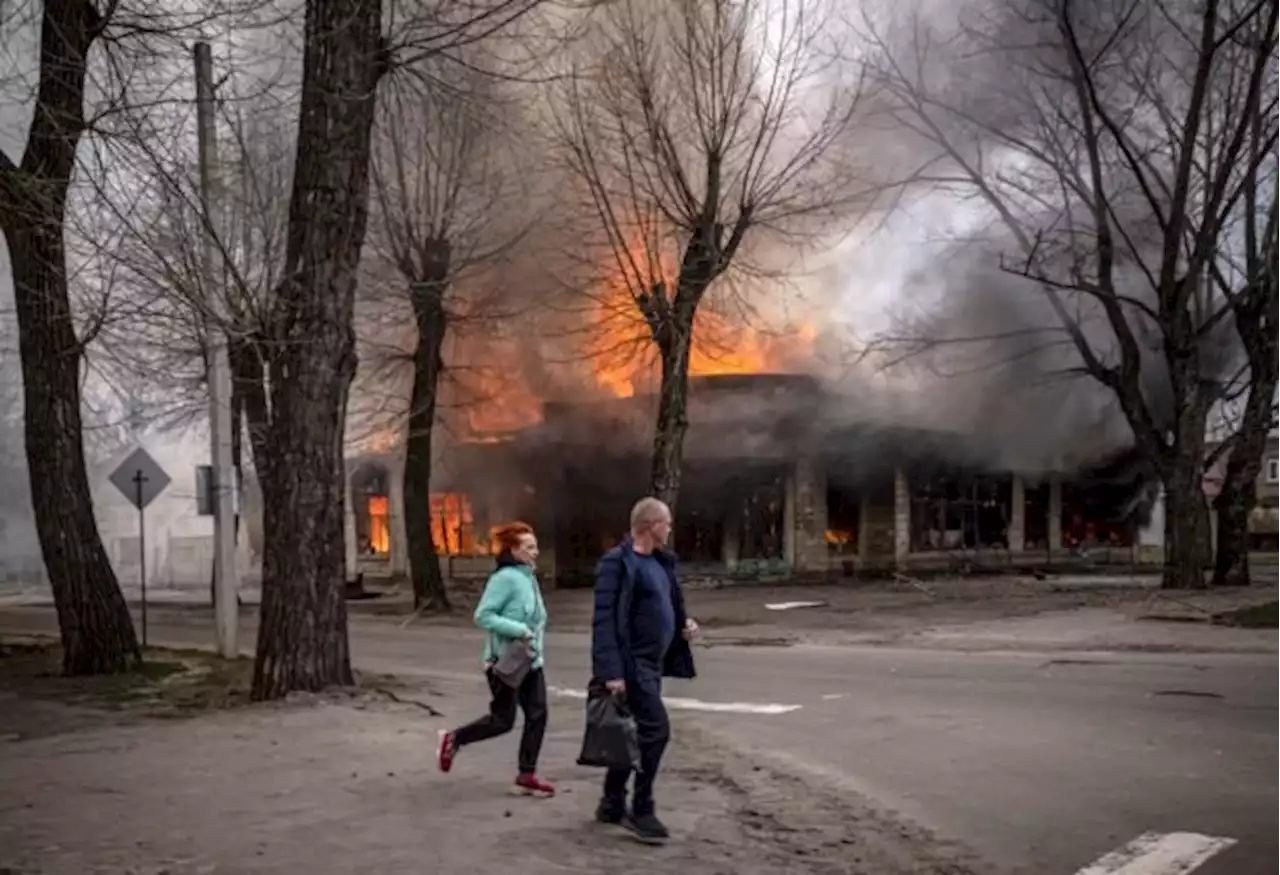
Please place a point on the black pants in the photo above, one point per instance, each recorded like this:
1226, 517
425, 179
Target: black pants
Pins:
644, 696
501, 719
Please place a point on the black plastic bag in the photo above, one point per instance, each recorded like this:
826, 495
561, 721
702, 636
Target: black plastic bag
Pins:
610, 740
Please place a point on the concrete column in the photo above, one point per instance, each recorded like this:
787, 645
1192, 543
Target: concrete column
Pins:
1055, 513
789, 521
810, 516
732, 543
545, 515
1017, 515
1152, 534
349, 527
395, 518
244, 555
901, 516
864, 524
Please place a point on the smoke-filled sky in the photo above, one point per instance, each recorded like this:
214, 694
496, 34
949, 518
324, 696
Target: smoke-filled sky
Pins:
925, 262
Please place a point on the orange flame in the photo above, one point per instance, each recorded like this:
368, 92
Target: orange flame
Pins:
623, 357
453, 526
379, 525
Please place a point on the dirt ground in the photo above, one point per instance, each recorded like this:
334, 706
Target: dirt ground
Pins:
97, 783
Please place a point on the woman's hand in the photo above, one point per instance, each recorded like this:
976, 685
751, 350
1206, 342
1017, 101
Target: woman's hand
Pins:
691, 629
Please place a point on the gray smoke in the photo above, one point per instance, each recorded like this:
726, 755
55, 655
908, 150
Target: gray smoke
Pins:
19, 548
973, 347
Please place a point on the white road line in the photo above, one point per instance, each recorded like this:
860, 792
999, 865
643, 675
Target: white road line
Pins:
680, 704
791, 606
1154, 853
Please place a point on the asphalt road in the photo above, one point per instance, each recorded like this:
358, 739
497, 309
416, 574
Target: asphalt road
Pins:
1041, 763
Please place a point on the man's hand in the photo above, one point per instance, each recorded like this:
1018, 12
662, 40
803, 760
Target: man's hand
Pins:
617, 685
691, 629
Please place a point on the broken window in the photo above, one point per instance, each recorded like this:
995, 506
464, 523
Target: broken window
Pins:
762, 507
699, 536
1036, 510
1094, 515
453, 526
379, 530
959, 512
371, 505
844, 512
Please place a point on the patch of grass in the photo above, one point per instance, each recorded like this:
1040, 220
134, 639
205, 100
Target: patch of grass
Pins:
169, 683
1263, 616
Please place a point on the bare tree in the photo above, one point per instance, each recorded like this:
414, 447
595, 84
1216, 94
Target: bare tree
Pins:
289, 308
1249, 284
93, 618
692, 127
302, 638
165, 350
444, 179
310, 337
1115, 143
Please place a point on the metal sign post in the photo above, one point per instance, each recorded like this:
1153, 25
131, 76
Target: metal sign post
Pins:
140, 479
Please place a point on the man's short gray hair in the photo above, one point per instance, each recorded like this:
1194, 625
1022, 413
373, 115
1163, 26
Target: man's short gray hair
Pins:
647, 510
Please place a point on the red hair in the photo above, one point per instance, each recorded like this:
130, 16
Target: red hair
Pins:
507, 536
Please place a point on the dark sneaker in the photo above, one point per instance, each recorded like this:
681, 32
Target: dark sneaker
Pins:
529, 784
610, 812
647, 829
447, 751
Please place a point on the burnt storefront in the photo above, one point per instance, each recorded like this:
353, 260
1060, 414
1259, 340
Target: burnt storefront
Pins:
780, 479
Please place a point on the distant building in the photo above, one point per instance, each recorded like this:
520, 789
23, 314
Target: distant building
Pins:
1264, 522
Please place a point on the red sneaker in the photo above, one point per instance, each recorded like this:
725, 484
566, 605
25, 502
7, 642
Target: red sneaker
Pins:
448, 748
529, 784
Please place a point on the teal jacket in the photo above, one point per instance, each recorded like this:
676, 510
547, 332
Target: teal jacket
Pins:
510, 608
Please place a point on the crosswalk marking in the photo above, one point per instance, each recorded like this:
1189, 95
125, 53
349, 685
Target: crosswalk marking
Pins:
1154, 853
678, 703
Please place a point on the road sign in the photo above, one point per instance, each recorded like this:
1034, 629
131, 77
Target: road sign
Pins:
205, 489
140, 478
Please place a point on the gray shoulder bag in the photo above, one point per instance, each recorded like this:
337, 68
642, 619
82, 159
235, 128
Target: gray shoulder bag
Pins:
514, 664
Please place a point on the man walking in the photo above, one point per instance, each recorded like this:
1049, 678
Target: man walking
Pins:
640, 634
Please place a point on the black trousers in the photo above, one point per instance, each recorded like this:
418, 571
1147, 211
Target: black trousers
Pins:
531, 698
644, 696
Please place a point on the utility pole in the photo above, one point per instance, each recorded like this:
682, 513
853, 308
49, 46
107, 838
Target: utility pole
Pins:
225, 583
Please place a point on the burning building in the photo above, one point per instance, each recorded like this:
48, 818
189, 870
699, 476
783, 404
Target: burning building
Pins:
783, 477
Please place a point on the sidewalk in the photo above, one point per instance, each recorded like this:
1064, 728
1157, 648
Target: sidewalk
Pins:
339, 785
1093, 630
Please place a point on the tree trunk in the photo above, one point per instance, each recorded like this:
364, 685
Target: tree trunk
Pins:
302, 638
248, 387
1181, 462
93, 617
1234, 505
1256, 324
1186, 522
671, 326
673, 415
427, 297
1239, 494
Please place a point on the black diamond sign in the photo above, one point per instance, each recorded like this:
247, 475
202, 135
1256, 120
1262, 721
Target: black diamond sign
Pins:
140, 470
